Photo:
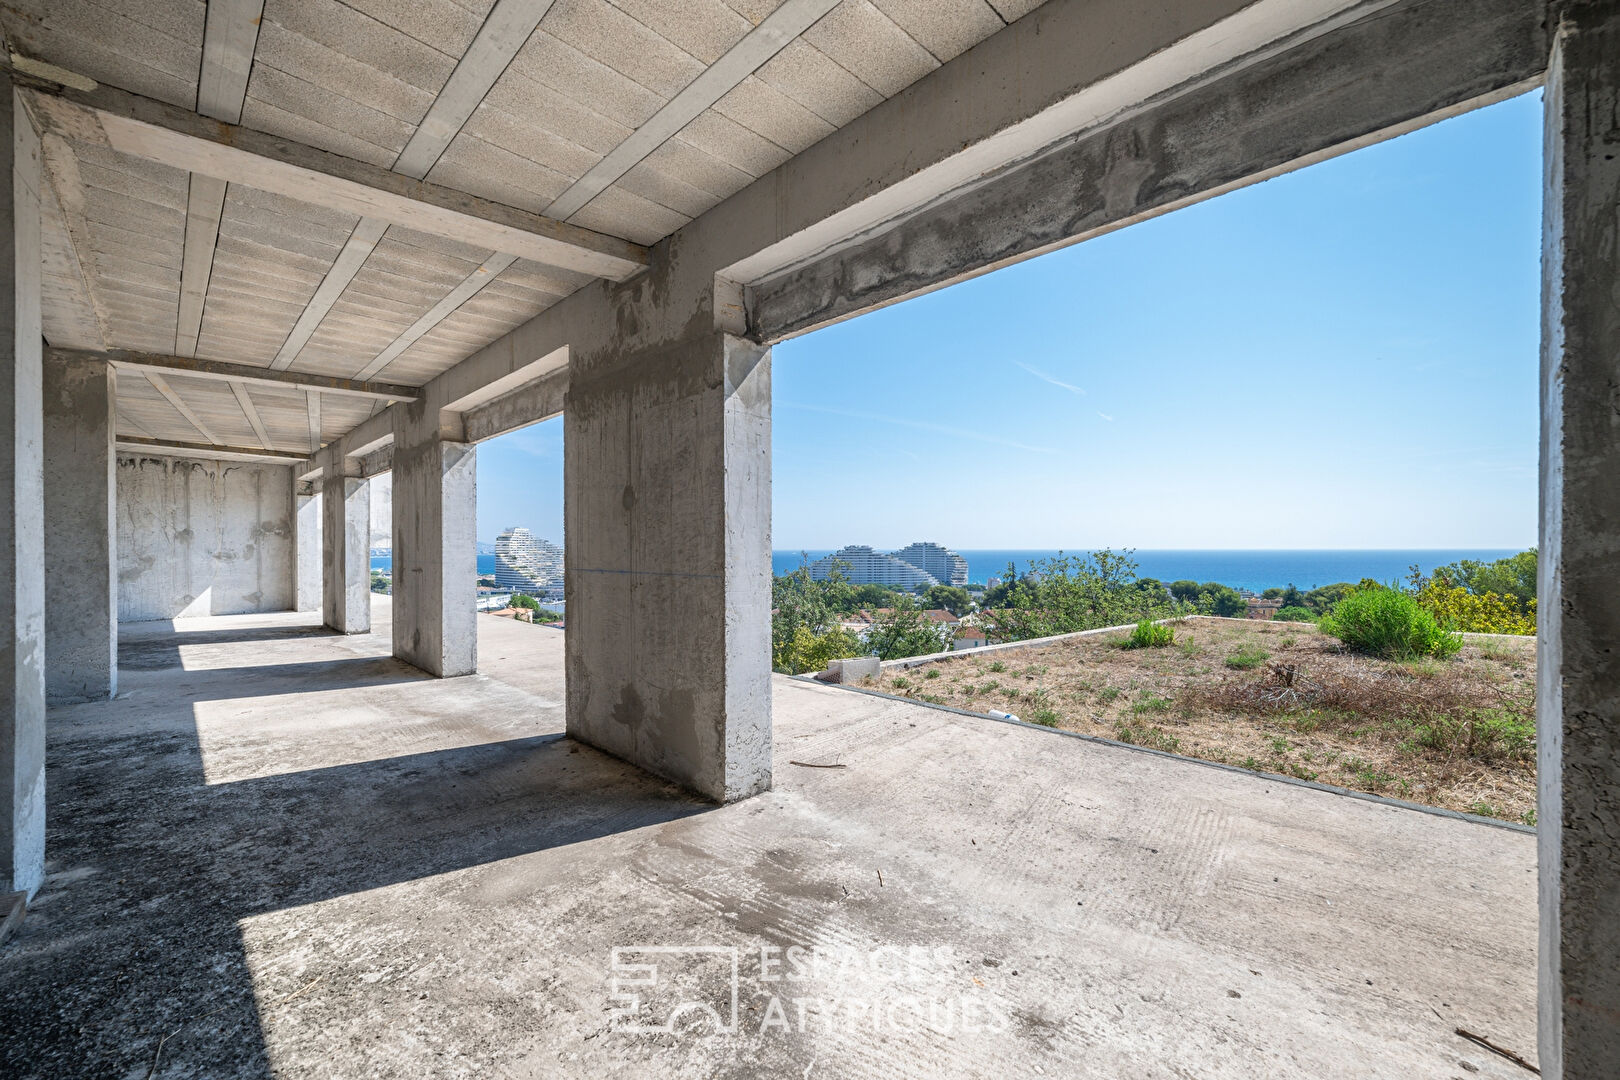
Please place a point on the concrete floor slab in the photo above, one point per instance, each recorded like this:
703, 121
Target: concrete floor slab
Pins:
279, 852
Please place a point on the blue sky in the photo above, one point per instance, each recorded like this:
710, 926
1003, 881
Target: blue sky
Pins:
1342, 357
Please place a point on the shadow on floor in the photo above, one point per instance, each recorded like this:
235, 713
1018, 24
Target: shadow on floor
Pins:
135, 938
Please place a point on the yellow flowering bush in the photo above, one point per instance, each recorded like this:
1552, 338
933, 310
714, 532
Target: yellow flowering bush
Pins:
1480, 613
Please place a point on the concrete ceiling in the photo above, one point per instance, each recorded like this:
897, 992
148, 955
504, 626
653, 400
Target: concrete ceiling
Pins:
626, 118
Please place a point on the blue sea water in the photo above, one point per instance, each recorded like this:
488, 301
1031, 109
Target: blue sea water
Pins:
1256, 570
486, 563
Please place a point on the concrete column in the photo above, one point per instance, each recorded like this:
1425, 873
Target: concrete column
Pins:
22, 511
668, 537
1578, 683
346, 554
81, 530
435, 543
307, 556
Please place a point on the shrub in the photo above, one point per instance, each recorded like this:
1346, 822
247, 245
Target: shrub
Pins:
1045, 716
1152, 737
1482, 613
1152, 703
1294, 614
1383, 622
1247, 658
1149, 635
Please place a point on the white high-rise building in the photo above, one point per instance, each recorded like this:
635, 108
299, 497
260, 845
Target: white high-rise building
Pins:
942, 562
863, 566
526, 563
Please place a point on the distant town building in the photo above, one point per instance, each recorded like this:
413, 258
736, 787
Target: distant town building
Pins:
943, 563
1261, 607
863, 566
493, 599
525, 563
970, 637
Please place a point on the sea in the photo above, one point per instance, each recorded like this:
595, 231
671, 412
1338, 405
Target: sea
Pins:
486, 563
1256, 570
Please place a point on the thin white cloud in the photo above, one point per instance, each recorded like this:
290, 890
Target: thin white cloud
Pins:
919, 425
1105, 416
1044, 377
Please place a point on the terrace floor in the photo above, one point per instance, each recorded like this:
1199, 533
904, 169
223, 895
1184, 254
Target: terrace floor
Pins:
281, 853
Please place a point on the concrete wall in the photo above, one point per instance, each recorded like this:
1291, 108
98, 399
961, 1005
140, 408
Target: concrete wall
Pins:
203, 538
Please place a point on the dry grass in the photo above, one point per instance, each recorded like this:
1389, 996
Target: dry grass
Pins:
1281, 698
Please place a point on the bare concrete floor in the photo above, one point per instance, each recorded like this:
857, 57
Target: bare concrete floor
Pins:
281, 853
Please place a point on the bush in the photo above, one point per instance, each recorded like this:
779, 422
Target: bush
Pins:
1247, 658
1390, 624
1482, 613
1149, 635
1294, 614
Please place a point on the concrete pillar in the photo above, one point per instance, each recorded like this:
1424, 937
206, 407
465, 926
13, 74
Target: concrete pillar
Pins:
346, 554
1578, 684
668, 507
307, 555
81, 530
22, 512
435, 543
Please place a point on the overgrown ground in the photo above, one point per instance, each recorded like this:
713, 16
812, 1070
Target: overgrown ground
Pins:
1282, 698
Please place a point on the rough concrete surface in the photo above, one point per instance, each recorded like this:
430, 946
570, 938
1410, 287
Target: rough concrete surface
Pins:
284, 853
203, 538
1578, 693
81, 548
668, 518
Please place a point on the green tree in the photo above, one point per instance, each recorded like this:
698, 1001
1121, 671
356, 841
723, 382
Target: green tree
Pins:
522, 600
953, 599
1272, 594
871, 596
903, 631
1513, 576
1217, 599
1070, 593
800, 601
1325, 599
1185, 591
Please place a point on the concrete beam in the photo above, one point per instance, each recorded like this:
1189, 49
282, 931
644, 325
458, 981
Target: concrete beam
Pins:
81, 558
22, 510
790, 19
61, 171
205, 205
142, 363
230, 35
158, 132
1578, 657
505, 30
250, 412
211, 451
1278, 114
312, 403
470, 286
531, 403
187, 413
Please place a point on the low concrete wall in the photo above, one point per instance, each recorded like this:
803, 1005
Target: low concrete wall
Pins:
203, 538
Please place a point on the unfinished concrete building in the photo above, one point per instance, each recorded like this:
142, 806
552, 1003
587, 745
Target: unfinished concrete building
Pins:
264, 250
